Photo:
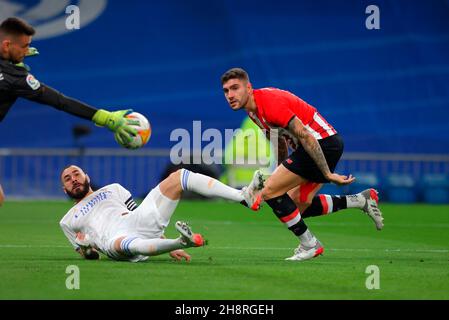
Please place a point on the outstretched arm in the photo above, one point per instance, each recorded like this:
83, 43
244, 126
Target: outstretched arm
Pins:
114, 121
314, 150
26, 86
30, 88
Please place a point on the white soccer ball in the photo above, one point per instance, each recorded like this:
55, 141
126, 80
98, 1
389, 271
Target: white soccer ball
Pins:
143, 131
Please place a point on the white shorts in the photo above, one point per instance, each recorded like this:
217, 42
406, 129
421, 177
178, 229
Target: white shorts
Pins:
147, 221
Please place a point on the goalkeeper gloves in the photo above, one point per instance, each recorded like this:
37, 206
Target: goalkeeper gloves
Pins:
117, 123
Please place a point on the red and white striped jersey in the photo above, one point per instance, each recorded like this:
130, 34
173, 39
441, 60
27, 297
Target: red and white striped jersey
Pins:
275, 109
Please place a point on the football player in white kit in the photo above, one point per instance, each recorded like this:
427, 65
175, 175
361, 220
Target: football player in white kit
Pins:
109, 221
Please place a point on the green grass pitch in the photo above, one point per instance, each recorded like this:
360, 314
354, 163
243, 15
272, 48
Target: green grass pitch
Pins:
244, 258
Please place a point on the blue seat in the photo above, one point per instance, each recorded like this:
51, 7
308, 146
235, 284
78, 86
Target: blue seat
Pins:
364, 180
333, 189
435, 188
400, 188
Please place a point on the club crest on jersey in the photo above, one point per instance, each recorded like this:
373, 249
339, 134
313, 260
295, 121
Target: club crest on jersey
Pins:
86, 208
33, 82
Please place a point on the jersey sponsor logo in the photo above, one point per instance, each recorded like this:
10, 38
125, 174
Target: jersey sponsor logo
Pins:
33, 82
1, 77
48, 17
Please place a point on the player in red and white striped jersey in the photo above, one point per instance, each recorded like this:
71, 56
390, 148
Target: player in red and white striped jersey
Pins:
317, 148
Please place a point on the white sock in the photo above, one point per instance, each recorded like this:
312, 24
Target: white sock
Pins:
208, 186
308, 239
149, 247
355, 201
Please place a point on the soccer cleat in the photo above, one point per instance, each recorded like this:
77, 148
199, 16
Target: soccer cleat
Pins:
371, 207
305, 253
251, 193
188, 238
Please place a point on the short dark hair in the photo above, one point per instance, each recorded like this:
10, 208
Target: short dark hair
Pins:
234, 73
15, 26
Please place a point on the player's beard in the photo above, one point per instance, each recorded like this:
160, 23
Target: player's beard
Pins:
83, 190
242, 105
15, 59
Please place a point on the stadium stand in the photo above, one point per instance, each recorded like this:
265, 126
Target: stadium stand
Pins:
435, 188
385, 91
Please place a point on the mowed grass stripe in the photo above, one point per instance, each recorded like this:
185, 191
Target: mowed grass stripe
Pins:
244, 258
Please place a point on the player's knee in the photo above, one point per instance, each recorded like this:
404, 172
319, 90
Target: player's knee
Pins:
175, 179
175, 175
171, 186
117, 244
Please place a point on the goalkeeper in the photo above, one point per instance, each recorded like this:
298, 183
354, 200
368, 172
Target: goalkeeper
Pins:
16, 82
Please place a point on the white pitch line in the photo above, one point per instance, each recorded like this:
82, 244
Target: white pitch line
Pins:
324, 223
30, 246
340, 249
254, 248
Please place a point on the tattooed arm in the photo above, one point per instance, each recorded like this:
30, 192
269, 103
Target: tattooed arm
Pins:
313, 148
310, 144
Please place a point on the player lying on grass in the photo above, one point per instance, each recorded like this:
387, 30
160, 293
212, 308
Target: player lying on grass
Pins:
16, 82
109, 221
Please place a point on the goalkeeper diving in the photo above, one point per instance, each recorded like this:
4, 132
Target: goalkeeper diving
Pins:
16, 81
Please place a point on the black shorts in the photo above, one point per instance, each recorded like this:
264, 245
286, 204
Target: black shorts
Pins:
300, 163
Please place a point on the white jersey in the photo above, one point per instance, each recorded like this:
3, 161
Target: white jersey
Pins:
101, 215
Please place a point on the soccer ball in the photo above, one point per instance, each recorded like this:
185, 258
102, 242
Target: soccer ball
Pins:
143, 131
